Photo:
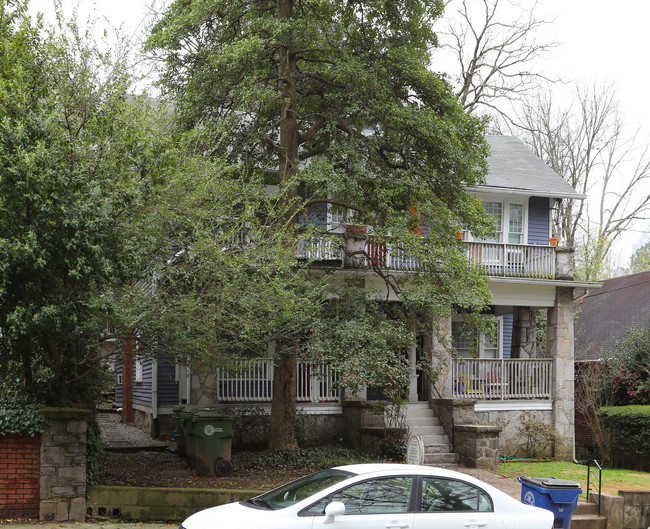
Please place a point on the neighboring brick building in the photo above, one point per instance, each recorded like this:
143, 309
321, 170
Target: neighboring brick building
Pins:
20, 459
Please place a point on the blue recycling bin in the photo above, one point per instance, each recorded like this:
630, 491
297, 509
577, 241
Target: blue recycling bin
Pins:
560, 496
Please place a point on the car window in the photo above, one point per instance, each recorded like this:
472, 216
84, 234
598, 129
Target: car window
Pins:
384, 495
445, 495
299, 490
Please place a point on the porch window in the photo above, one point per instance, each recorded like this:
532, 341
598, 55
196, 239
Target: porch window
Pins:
471, 344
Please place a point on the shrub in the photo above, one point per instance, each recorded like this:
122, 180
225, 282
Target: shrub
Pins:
534, 437
629, 427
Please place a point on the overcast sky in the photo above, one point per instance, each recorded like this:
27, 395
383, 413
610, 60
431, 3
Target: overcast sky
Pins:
599, 41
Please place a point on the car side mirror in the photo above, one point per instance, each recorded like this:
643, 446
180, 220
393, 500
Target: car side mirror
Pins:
334, 509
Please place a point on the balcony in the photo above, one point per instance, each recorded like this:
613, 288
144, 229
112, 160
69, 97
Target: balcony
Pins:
495, 259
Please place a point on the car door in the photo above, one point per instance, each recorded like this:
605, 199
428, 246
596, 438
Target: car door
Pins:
453, 504
381, 503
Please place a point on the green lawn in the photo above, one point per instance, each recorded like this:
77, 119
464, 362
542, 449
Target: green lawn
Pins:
613, 480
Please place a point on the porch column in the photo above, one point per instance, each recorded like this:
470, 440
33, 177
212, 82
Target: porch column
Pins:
413, 376
441, 357
523, 333
559, 341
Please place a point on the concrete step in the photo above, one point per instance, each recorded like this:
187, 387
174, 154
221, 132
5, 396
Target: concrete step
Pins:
437, 448
434, 440
423, 421
420, 413
586, 508
424, 431
438, 460
588, 521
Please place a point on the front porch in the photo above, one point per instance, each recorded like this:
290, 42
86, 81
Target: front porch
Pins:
478, 379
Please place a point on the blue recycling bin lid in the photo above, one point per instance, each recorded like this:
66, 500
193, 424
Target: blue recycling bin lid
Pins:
551, 483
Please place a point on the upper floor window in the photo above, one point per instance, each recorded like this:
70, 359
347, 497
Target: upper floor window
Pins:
510, 220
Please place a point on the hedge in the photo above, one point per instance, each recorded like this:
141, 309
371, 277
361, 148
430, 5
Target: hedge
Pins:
629, 427
24, 420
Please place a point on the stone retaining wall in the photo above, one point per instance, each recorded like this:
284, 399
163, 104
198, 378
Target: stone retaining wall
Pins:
146, 504
20, 457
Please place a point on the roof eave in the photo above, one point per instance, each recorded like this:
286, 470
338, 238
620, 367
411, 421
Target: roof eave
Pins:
526, 192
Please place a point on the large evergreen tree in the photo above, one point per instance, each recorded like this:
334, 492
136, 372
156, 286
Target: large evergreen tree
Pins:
338, 103
75, 158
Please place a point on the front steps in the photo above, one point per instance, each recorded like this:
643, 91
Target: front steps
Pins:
586, 517
437, 448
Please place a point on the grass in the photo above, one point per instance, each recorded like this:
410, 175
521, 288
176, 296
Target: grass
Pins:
613, 480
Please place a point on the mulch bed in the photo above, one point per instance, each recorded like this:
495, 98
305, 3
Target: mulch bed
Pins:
166, 469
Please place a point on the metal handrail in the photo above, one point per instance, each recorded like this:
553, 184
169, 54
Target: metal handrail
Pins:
451, 417
589, 483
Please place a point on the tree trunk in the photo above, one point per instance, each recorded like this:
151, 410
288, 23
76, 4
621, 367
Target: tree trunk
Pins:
283, 405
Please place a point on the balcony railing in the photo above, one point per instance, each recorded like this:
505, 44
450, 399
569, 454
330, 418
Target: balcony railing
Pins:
495, 259
512, 260
252, 381
487, 379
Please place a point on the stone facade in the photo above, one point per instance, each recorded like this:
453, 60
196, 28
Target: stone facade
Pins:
559, 339
63, 465
477, 445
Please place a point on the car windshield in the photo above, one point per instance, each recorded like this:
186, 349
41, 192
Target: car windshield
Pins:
300, 489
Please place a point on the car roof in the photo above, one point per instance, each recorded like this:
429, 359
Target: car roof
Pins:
372, 468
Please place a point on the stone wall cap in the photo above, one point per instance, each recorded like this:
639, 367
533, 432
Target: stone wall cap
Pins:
66, 414
483, 428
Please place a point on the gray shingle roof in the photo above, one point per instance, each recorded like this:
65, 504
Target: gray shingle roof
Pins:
608, 312
515, 169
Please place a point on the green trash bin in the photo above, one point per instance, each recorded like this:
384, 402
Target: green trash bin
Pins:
212, 436
185, 416
178, 425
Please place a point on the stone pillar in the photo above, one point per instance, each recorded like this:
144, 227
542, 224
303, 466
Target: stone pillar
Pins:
559, 344
564, 263
355, 243
478, 445
441, 338
63, 465
523, 333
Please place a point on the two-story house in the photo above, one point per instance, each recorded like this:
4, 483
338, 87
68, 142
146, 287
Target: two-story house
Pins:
497, 377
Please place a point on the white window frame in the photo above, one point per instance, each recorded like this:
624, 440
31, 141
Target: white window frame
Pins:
139, 369
336, 226
502, 236
459, 318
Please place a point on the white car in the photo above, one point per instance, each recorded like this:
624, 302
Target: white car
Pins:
378, 496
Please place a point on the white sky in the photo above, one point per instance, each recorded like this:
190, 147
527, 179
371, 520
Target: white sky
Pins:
598, 42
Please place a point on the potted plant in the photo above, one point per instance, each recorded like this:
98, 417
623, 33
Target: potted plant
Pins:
356, 228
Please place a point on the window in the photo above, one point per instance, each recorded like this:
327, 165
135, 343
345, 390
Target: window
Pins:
469, 344
337, 218
376, 496
138, 369
448, 495
388, 495
510, 221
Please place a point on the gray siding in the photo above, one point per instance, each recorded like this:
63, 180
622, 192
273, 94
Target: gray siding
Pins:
538, 218
507, 335
142, 390
167, 385
118, 387
317, 215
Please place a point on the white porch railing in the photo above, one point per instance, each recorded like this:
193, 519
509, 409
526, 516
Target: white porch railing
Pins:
320, 249
495, 259
252, 381
512, 260
505, 378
